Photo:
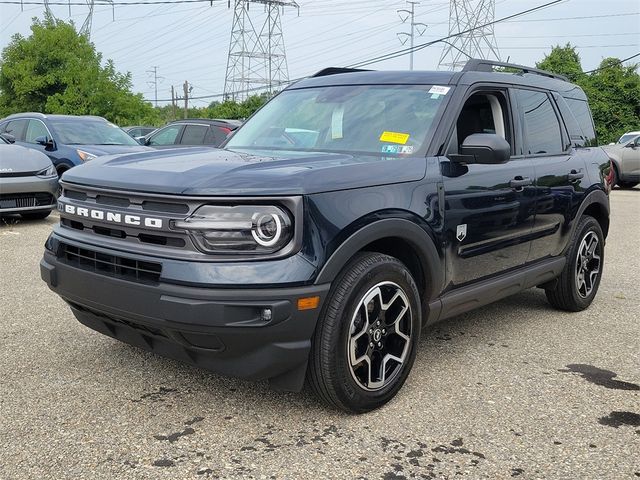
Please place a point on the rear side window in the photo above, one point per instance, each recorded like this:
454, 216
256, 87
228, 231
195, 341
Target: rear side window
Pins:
542, 134
194, 134
582, 114
17, 129
216, 135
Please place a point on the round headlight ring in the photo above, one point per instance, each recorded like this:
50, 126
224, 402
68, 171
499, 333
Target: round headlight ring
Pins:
258, 233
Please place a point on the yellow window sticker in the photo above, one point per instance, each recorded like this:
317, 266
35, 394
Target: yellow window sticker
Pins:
394, 137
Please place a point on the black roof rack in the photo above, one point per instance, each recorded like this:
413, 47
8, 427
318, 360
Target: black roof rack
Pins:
480, 65
336, 70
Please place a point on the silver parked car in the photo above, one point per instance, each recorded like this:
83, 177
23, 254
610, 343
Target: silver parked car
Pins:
28, 181
626, 162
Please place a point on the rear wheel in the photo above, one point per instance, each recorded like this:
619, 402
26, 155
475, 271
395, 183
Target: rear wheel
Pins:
365, 341
36, 215
578, 283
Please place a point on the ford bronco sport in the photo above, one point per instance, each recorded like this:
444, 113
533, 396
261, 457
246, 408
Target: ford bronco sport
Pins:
353, 209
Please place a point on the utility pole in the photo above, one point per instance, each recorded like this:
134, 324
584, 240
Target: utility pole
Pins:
173, 102
154, 82
187, 90
421, 27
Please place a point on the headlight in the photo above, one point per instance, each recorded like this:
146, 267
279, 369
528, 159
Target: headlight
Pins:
243, 228
85, 156
50, 171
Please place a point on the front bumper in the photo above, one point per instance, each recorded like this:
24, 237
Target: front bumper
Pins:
12, 187
219, 329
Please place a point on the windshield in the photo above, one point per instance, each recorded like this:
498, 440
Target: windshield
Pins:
627, 137
388, 119
82, 131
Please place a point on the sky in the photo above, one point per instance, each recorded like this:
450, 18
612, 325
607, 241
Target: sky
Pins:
191, 41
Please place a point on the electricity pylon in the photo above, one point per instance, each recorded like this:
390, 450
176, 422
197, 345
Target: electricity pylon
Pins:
257, 59
85, 29
478, 43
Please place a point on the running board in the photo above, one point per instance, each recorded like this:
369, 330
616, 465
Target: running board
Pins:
467, 298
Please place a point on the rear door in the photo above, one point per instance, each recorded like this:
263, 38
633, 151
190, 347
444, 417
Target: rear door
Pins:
559, 170
194, 134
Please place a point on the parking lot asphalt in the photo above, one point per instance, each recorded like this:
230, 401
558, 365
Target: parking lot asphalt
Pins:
515, 389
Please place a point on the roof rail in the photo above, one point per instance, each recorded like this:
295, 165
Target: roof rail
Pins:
480, 65
32, 114
336, 70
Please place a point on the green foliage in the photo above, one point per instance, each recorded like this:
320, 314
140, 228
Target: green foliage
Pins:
612, 90
56, 70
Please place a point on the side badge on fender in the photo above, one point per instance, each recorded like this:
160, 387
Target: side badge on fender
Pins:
461, 232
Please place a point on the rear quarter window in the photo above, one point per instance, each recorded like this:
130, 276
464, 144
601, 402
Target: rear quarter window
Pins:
579, 110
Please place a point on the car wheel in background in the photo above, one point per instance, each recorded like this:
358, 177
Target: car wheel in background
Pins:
626, 185
366, 338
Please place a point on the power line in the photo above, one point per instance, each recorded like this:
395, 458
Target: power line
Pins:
104, 2
617, 63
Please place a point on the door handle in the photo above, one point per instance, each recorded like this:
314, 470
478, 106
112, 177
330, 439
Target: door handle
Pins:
575, 175
519, 182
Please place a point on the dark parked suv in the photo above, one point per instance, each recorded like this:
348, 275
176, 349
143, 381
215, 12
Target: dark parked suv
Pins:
352, 210
68, 140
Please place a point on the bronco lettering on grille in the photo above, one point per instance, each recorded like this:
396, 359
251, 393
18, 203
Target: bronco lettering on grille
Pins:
111, 217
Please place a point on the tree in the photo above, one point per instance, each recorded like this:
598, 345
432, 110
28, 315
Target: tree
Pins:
612, 90
56, 70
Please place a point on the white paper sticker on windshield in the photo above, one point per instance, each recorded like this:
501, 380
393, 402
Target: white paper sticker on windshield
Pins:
336, 123
439, 90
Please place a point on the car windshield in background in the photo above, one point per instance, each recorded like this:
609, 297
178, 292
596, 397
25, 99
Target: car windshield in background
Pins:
389, 119
90, 132
627, 138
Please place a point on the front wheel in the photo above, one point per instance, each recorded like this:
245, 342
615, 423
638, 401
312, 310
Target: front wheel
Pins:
578, 283
365, 341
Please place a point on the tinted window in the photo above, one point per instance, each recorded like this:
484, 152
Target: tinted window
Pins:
166, 135
17, 128
541, 126
35, 129
216, 135
194, 134
582, 114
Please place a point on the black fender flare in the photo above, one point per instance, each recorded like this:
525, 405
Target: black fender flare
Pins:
421, 241
594, 197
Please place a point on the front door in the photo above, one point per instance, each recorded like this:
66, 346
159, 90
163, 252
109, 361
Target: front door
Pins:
489, 209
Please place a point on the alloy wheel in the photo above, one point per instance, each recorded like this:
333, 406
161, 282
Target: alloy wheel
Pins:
588, 264
379, 336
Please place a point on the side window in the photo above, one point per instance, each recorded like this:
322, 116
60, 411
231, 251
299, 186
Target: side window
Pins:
35, 129
216, 135
484, 112
166, 136
582, 114
542, 134
194, 134
17, 129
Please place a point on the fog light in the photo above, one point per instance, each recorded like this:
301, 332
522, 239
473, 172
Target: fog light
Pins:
266, 315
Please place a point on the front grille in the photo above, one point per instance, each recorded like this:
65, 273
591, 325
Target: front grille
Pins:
110, 265
26, 200
17, 174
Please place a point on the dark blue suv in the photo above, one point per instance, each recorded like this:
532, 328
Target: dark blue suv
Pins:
68, 140
353, 209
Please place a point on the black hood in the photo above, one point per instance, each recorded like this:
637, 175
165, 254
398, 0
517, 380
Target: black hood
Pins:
206, 171
18, 159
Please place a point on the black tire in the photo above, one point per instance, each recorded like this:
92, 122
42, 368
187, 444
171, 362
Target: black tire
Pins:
570, 293
342, 325
626, 185
36, 215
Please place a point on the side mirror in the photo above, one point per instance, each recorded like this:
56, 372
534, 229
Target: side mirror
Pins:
46, 142
8, 137
632, 144
141, 140
484, 148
